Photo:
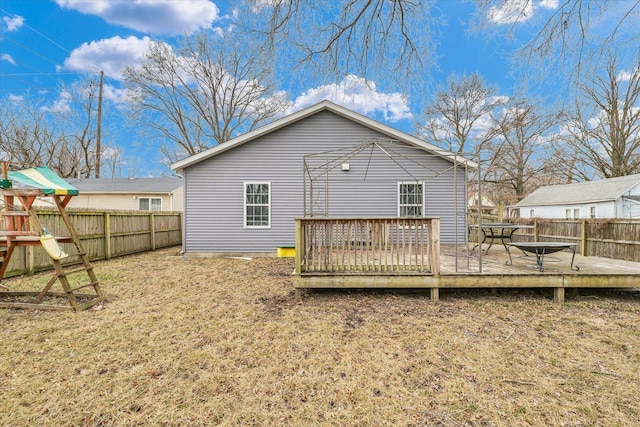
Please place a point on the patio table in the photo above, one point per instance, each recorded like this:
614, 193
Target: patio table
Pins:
501, 231
540, 249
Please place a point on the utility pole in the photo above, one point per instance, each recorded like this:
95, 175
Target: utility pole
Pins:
99, 127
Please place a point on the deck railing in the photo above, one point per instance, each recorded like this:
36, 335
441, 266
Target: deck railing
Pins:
368, 245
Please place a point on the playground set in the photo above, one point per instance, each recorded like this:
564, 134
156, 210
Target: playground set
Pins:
21, 227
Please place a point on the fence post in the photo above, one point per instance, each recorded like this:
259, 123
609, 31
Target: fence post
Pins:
30, 260
152, 230
536, 231
584, 242
107, 236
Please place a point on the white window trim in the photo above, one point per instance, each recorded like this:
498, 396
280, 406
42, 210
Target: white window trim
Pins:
398, 196
244, 207
149, 199
574, 210
595, 211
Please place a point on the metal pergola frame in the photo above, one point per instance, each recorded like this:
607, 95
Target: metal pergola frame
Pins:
317, 167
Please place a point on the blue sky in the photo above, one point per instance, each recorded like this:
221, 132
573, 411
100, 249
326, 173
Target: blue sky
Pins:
45, 42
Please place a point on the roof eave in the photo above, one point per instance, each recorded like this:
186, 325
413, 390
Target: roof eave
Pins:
306, 112
562, 203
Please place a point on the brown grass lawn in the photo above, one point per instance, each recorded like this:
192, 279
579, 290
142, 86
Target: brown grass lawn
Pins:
203, 341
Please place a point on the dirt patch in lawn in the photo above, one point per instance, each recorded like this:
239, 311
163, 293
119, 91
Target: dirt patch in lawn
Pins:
215, 341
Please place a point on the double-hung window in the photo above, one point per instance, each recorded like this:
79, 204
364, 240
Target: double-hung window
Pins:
257, 204
150, 203
410, 199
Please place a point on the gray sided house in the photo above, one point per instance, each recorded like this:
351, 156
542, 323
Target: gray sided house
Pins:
242, 197
605, 198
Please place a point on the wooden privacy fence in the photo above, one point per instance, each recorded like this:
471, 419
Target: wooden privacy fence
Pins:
609, 238
104, 234
368, 245
603, 237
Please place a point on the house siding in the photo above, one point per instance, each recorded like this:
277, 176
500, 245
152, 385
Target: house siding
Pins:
128, 201
603, 210
214, 191
614, 198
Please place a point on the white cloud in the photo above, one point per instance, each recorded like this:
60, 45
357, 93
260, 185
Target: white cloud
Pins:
258, 5
8, 58
16, 98
549, 4
625, 76
167, 17
358, 95
115, 95
61, 105
511, 11
109, 55
10, 24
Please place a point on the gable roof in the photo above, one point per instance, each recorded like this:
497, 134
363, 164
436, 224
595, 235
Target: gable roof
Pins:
581, 192
127, 185
309, 111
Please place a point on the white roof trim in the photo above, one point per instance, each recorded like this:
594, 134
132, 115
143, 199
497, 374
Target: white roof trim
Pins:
309, 111
575, 203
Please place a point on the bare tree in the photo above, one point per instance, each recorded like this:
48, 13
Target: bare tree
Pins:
516, 142
569, 36
457, 111
399, 37
62, 138
80, 125
349, 36
602, 130
31, 136
209, 91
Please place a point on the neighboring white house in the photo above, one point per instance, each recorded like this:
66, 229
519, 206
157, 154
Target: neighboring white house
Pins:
487, 206
147, 194
605, 198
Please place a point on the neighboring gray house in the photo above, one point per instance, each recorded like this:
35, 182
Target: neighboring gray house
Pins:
154, 194
605, 198
242, 196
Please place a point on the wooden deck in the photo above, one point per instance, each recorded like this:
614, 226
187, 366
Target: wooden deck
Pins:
594, 272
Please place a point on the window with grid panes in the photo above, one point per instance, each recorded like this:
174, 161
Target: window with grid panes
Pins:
257, 204
150, 203
410, 199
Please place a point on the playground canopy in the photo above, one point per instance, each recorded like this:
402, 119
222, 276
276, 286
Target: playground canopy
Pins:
45, 179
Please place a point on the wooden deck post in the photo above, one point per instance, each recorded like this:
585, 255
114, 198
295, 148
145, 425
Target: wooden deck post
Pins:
299, 247
435, 294
435, 246
558, 295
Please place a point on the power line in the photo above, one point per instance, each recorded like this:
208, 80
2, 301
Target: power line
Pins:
20, 45
17, 76
37, 32
39, 73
